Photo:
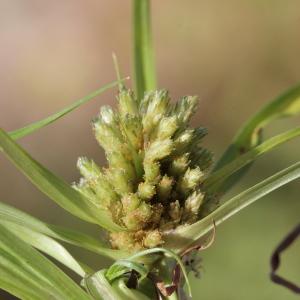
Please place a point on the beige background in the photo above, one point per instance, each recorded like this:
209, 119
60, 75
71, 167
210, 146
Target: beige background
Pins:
235, 54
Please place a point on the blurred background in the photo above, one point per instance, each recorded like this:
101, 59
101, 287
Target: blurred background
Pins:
235, 54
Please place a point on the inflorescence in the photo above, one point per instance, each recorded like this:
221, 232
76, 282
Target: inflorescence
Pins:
156, 165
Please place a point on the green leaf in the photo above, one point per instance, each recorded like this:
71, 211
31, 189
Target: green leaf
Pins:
47, 245
27, 274
122, 266
169, 253
21, 132
54, 187
144, 69
12, 215
101, 289
111, 283
250, 135
213, 181
144, 292
183, 236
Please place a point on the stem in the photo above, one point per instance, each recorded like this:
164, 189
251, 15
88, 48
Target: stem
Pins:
144, 69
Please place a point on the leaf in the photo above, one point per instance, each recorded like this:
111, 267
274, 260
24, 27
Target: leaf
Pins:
122, 266
110, 284
168, 252
250, 135
183, 236
54, 187
145, 292
21, 132
211, 184
47, 245
12, 215
27, 274
144, 70
101, 289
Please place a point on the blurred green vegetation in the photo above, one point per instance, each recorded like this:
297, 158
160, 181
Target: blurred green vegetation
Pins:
234, 54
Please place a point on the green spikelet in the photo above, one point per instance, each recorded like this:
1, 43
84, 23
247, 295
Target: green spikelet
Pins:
155, 167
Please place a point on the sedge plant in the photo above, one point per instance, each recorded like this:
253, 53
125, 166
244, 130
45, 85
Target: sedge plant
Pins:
158, 198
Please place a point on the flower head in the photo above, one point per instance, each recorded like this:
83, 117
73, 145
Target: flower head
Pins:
156, 164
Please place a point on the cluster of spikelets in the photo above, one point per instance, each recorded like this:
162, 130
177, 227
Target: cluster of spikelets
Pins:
156, 165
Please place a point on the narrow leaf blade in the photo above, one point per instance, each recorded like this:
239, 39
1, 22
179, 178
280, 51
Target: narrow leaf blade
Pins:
47, 245
21, 132
181, 237
120, 267
54, 187
250, 135
101, 289
12, 215
212, 181
25, 272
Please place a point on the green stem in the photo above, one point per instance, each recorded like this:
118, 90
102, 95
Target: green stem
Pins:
144, 69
